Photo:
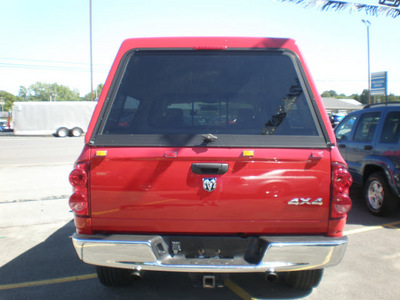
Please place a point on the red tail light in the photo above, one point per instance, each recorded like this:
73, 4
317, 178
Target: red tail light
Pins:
341, 182
78, 203
78, 178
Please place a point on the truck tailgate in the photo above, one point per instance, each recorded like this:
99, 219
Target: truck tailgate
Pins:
263, 191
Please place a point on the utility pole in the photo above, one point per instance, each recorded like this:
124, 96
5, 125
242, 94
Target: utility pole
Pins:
91, 56
368, 23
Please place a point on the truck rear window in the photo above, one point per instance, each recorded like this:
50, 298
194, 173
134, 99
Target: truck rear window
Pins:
174, 97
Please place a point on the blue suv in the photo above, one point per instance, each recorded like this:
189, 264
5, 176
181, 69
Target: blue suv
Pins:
368, 140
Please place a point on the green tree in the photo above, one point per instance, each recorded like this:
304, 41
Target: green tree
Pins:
393, 98
65, 94
326, 94
40, 91
8, 99
355, 97
382, 98
96, 93
23, 93
99, 89
333, 94
329, 94
364, 97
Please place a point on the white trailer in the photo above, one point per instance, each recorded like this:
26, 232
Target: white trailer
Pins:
62, 118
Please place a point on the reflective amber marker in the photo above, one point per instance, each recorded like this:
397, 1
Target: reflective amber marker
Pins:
101, 153
248, 153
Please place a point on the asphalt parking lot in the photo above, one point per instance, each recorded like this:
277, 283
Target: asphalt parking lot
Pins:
38, 261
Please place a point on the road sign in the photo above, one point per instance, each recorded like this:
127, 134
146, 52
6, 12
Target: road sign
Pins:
394, 3
379, 83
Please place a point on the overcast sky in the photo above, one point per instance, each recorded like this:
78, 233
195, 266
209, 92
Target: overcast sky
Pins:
48, 41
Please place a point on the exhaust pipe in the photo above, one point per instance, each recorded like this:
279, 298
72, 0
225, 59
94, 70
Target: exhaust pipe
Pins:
271, 275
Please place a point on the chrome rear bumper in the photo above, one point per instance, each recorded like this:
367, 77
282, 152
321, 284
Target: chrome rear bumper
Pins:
288, 253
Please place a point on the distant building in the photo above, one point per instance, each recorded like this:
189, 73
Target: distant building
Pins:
341, 106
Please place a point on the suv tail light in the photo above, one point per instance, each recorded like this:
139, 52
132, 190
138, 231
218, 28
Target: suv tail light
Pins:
341, 182
78, 178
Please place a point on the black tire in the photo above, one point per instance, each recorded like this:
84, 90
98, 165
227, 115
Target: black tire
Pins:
304, 280
75, 132
113, 276
62, 132
379, 197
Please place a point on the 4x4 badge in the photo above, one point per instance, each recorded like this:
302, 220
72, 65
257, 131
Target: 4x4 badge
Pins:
305, 201
209, 184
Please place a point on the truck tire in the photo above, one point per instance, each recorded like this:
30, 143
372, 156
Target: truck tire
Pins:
76, 132
113, 276
379, 197
304, 280
62, 132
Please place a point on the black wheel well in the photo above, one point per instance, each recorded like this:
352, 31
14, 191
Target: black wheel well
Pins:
368, 170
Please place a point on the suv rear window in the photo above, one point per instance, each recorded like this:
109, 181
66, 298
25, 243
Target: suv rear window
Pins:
172, 98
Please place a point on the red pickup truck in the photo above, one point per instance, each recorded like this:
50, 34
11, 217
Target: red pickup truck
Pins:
210, 155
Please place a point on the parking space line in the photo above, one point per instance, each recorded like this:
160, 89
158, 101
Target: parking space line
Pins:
392, 227
365, 229
71, 163
238, 290
47, 282
228, 283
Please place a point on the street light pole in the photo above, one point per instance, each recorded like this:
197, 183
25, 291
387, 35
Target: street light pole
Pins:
368, 23
91, 56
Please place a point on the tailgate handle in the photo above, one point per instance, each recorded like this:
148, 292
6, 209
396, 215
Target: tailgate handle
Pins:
209, 168
317, 155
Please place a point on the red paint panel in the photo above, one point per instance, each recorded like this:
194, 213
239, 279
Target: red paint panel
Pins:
140, 190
